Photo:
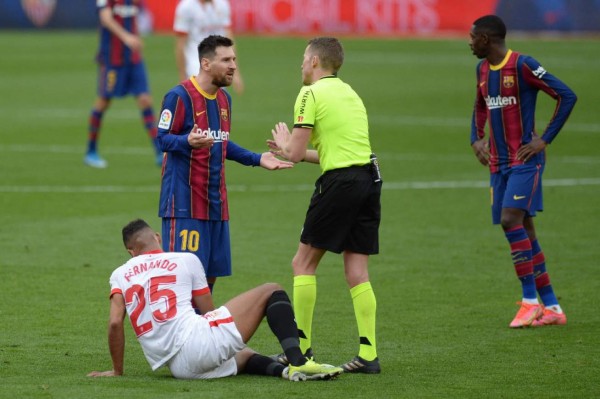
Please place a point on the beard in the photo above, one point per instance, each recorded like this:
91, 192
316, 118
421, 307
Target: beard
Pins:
223, 81
480, 54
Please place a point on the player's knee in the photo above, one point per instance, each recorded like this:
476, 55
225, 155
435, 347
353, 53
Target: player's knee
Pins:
102, 104
144, 101
354, 278
278, 297
270, 288
301, 267
508, 222
511, 218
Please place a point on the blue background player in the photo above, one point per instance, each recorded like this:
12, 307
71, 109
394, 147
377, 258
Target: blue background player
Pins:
507, 87
121, 71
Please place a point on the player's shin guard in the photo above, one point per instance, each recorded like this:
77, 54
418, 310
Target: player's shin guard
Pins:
94, 129
365, 308
305, 297
150, 125
263, 365
520, 248
542, 280
280, 316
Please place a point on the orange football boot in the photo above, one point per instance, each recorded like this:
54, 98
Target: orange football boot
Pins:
526, 315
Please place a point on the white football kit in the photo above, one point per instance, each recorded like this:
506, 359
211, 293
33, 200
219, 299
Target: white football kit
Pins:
198, 20
158, 289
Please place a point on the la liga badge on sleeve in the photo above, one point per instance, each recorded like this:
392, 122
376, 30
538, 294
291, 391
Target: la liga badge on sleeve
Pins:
165, 119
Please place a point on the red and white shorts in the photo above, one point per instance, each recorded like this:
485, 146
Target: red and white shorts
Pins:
209, 351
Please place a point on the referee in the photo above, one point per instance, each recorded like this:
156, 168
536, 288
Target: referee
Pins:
344, 211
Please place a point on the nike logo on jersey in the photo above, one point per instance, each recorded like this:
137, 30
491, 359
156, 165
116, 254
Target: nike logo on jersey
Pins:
482, 83
200, 113
518, 197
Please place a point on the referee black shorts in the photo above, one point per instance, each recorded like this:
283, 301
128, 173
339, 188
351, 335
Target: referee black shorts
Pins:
344, 212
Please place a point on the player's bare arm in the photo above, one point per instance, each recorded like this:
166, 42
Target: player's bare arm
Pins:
180, 41
204, 303
528, 150
108, 21
196, 139
238, 81
116, 337
292, 145
312, 156
481, 150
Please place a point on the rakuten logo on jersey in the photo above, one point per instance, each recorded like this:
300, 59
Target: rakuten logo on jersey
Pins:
500, 102
217, 135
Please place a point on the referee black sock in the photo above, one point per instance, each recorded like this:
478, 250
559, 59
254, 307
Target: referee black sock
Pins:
280, 316
263, 365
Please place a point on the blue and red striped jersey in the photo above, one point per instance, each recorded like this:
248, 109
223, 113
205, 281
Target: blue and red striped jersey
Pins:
112, 50
193, 180
506, 100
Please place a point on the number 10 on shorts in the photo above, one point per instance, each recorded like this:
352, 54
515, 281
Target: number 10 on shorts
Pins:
190, 240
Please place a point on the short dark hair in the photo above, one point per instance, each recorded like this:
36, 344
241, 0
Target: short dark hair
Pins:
330, 52
492, 25
132, 228
208, 47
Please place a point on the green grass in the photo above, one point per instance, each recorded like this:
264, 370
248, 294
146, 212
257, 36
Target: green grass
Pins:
444, 281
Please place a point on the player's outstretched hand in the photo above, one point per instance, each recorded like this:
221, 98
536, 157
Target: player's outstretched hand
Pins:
281, 136
482, 151
196, 139
270, 162
274, 149
109, 373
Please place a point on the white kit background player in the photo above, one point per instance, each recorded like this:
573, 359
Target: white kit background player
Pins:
195, 20
156, 290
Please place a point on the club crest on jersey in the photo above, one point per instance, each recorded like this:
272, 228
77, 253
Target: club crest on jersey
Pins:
165, 119
224, 114
508, 81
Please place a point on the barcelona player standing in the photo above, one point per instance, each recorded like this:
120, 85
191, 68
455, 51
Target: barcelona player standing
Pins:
507, 86
194, 132
121, 71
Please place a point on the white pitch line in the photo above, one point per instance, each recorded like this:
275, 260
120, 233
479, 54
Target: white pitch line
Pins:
467, 156
430, 185
375, 119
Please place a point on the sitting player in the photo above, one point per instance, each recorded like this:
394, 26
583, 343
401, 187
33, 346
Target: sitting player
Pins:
156, 290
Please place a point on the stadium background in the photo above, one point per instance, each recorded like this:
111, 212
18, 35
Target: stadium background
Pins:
351, 17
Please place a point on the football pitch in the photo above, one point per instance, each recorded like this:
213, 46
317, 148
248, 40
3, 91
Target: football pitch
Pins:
444, 281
